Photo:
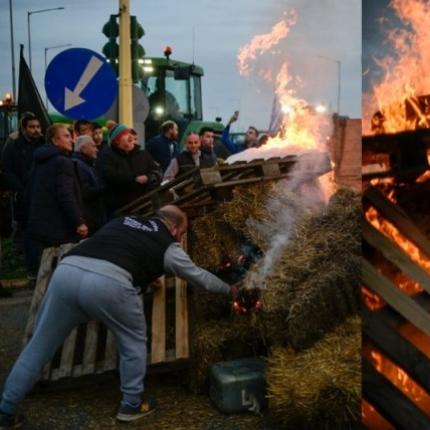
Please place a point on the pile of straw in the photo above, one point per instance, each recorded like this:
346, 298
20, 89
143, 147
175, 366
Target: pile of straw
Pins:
320, 387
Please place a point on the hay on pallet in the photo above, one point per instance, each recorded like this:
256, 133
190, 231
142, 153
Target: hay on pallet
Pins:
319, 385
313, 286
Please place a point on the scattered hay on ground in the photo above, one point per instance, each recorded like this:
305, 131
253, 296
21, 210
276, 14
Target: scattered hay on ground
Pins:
319, 385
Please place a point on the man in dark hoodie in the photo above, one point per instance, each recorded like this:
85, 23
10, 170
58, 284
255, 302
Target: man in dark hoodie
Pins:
127, 171
54, 197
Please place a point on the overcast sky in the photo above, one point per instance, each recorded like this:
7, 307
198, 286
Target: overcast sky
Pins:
329, 28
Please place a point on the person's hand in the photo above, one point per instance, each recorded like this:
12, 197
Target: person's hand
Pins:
234, 117
82, 230
155, 285
142, 179
233, 291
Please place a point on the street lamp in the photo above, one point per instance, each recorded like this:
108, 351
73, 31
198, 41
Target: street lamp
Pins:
339, 70
46, 63
29, 13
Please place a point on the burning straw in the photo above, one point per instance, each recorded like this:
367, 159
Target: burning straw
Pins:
319, 385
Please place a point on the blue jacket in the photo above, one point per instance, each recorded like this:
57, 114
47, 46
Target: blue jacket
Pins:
232, 147
160, 149
54, 195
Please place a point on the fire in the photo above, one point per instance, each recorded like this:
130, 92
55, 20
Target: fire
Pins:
398, 377
264, 42
301, 126
390, 231
397, 97
372, 419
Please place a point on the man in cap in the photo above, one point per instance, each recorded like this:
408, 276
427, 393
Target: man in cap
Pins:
98, 280
127, 170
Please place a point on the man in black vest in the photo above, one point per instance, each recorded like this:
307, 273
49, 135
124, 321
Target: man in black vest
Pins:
98, 280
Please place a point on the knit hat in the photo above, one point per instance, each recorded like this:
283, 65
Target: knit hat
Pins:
116, 132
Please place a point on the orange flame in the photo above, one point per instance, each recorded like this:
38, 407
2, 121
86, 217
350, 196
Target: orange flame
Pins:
398, 377
396, 97
390, 231
264, 42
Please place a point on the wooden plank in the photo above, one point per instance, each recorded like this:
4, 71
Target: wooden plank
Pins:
397, 348
158, 328
390, 402
67, 354
398, 217
90, 347
110, 352
394, 254
395, 298
181, 312
43, 278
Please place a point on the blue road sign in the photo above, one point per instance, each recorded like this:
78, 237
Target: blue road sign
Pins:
81, 84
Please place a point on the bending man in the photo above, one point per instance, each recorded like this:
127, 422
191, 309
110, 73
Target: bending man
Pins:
98, 280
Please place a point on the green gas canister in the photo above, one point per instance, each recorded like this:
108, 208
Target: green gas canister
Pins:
238, 385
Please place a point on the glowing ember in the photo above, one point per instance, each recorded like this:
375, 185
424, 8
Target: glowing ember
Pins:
371, 300
372, 419
398, 377
390, 231
397, 96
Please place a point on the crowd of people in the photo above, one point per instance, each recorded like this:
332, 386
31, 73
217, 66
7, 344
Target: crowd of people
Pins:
69, 183
67, 186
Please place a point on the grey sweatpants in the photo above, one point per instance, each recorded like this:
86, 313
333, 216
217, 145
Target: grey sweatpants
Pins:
103, 292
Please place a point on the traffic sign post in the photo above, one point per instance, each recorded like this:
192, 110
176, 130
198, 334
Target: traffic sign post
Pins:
81, 84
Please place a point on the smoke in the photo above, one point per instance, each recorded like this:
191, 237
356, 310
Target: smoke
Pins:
294, 198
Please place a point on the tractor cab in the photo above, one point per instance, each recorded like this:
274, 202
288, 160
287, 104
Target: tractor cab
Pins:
173, 89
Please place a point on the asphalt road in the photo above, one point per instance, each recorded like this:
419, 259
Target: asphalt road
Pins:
91, 402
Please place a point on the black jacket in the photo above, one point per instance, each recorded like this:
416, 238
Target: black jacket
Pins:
54, 196
160, 149
92, 191
119, 171
135, 243
17, 160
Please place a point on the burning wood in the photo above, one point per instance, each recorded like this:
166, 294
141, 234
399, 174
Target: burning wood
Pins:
400, 98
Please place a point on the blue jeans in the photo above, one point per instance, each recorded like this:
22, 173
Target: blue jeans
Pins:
76, 295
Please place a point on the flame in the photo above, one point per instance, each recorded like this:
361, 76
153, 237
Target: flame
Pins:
405, 77
372, 419
398, 377
301, 127
264, 42
390, 231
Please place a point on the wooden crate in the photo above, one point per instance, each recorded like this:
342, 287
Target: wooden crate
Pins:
380, 328
206, 188
91, 348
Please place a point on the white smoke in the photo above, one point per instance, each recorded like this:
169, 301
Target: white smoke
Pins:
294, 197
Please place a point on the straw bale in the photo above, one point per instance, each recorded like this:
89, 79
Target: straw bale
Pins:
213, 241
320, 387
313, 286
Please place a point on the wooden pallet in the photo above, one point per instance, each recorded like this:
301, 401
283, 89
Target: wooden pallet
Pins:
91, 348
380, 328
204, 188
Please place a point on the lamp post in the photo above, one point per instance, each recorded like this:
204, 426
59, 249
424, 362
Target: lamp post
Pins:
12, 49
65, 45
29, 13
339, 71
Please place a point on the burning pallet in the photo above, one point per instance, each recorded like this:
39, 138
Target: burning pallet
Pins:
91, 348
395, 365
202, 189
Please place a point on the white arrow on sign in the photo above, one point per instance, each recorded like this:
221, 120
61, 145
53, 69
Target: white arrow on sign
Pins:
73, 98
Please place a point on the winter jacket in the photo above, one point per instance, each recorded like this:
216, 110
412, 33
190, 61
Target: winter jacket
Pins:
92, 192
54, 196
119, 171
17, 160
162, 150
